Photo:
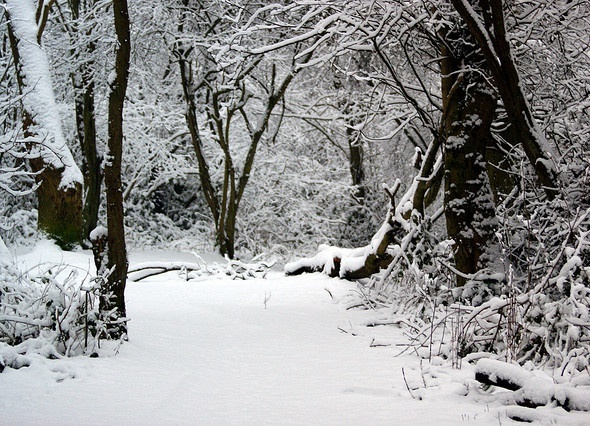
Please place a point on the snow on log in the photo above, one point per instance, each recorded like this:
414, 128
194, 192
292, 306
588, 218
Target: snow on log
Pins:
344, 263
530, 415
531, 390
38, 99
498, 373
353, 264
327, 260
538, 392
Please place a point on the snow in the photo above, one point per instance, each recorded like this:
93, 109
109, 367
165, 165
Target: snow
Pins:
277, 351
98, 232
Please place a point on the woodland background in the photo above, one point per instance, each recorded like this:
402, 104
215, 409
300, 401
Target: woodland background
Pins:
255, 127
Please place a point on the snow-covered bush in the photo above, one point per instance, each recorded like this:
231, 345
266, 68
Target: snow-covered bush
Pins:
540, 313
18, 225
51, 310
543, 312
534, 307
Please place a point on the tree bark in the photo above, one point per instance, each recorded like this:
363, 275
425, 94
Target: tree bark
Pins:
85, 121
112, 302
59, 208
490, 35
468, 112
92, 162
355, 151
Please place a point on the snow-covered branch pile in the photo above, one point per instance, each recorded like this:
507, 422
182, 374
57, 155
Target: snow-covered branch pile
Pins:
51, 310
540, 314
197, 271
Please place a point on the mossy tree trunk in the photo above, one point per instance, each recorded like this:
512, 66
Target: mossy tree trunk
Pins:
59, 208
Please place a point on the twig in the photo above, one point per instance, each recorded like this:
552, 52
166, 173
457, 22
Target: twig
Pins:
407, 386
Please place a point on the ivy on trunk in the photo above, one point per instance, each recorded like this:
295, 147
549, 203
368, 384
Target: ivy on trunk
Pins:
469, 106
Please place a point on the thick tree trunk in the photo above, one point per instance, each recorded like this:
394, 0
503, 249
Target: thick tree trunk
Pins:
113, 295
468, 112
60, 191
59, 208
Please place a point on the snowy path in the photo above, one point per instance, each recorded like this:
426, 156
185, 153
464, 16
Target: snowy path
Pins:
209, 353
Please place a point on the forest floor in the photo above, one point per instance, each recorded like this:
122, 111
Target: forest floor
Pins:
276, 351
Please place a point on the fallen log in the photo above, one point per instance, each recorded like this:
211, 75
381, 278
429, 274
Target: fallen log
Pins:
350, 264
363, 262
530, 390
354, 264
497, 373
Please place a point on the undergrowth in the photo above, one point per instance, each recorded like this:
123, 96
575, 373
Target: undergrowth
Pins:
538, 313
50, 310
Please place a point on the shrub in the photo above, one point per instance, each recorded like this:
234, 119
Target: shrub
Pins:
51, 310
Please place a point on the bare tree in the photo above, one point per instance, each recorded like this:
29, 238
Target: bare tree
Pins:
228, 94
113, 293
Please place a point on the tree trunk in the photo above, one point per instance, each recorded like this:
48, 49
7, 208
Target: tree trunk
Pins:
60, 191
225, 240
468, 112
85, 121
112, 302
92, 163
355, 149
59, 208
489, 32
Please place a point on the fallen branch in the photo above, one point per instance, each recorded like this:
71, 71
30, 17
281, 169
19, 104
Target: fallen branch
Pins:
149, 269
530, 390
355, 264
233, 268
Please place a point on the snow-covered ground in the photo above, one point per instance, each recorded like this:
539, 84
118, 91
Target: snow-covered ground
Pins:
275, 351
